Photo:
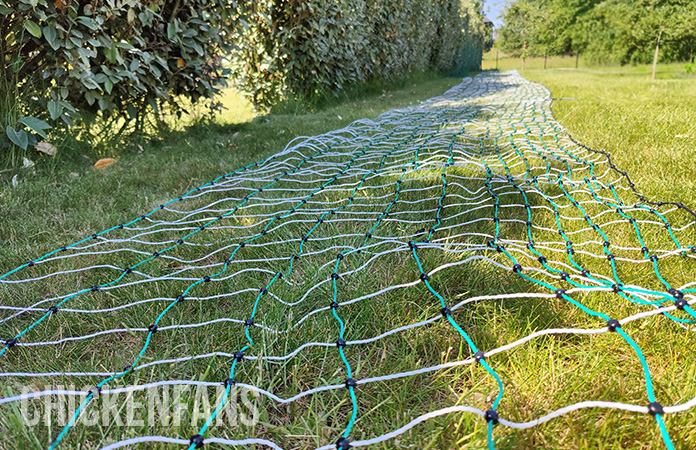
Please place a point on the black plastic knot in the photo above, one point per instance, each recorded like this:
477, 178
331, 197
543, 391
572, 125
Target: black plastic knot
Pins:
242, 244
412, 245
11, 342
676, 293
249, 322
680, 303
351, 383
644, 249
196, 440
340, 343
305, 238
94, 236
607, 244
560, 293
541, 259
206, 278
570, 250
491, 416
667, 225
424, 277
334, 305
95, 391
479, 356
180, 241
62, 249
263, 291
128, 270
517, 268
445, 312
368, 235
334, 276
342, 444
340, 256
653, 258
30, 263
585, 272
655, 408
238, 356
610, 256
201, 228
613, 324
229, 382
53, 309
530, 244
564, 276
529, 223
180, 298
152, 328
95, 288
616, 288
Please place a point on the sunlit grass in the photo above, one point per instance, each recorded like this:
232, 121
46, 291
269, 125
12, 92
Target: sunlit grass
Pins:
649, 127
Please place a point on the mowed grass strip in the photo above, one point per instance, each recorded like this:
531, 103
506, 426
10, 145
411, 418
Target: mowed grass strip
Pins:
540, 376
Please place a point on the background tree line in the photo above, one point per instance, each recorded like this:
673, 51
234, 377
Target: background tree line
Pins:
102, 68
605, 31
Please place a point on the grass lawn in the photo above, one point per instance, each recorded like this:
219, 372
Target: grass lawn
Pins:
650, 130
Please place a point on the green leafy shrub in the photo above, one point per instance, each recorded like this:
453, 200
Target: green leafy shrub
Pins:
311, 48
68, 61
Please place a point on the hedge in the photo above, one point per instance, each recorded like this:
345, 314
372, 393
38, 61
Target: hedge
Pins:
305, 48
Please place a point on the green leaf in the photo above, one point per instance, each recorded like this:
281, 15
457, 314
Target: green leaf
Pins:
36, 125
132, 113
5, 10
19, 138
33, 28
50, 34
171, 31
108, 85
55, 109
88, 22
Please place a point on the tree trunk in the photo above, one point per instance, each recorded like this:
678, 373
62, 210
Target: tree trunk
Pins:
657, 52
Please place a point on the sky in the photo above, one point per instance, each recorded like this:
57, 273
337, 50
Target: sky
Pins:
493, 9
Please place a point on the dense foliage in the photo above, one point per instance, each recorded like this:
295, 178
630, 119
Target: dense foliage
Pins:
69, 60
310, 48
624, 31
115, 62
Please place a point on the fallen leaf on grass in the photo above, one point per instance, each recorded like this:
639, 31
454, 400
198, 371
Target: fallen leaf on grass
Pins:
104, 163
47, 148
